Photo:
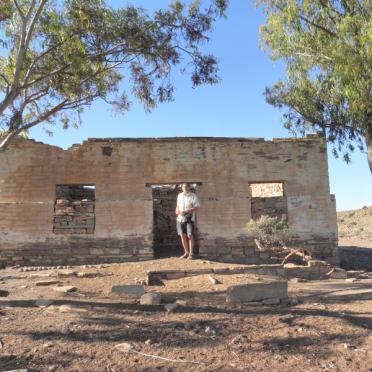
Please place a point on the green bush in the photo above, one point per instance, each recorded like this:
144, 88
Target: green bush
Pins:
270, 231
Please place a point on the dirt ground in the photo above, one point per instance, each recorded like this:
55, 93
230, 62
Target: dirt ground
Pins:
328, 330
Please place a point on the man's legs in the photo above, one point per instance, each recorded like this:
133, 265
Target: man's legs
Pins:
185, 244
181, 231
190, 239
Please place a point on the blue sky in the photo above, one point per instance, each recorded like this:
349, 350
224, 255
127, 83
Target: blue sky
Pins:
233, 108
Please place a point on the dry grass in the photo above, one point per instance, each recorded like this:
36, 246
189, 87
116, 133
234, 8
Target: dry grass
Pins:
356, 223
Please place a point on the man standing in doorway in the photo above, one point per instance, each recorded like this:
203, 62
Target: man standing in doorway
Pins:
187, 203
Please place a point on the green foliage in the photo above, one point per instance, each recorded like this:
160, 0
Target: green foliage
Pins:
270, 231
327, 49
23, 134
59, 57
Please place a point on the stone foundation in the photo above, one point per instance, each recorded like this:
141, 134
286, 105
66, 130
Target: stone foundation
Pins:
356, 258
313, 272
77, 251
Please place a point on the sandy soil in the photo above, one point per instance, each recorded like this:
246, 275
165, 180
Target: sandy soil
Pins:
79, 331
355, 242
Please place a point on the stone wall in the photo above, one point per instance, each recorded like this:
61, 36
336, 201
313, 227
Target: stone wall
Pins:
121, 171
356, 258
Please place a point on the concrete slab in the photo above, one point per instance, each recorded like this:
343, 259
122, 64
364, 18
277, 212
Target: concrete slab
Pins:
257, 291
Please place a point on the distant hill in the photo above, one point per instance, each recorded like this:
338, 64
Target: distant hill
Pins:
355, 225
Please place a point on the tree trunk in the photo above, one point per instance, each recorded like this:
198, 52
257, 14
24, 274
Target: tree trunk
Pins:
368, 138
4, 141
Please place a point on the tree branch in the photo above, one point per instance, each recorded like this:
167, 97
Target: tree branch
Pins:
5, 79
309, 21
40, 56
47, 76
23, 46
20, 12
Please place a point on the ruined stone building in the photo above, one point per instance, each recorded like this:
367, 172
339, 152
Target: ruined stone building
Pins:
109, 200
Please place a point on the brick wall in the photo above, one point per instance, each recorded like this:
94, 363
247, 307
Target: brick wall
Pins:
123, 206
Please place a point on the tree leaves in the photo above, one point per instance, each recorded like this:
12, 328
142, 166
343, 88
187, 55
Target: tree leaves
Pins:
62, 57
327, 48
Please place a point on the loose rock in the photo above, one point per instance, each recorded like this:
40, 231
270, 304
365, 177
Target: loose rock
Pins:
87, 275
65, 289
66, 328
66, 273
181, 302
4, 293
42, 283
150, 299
43, 303
298, 280
169, 308
213, 280
125, 347
352, 280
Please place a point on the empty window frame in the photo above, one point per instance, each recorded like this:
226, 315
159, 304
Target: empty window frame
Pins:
268, 199
74, 209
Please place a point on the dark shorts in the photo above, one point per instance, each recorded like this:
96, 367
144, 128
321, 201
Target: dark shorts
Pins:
185, 228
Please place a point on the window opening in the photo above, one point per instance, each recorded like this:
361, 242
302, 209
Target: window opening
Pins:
74, 209
268, 199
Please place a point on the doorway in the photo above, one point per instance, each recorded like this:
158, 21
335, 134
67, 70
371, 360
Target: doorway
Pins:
166, 242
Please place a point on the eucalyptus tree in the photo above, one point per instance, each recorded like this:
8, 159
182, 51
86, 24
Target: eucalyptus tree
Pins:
327, 49
58, 57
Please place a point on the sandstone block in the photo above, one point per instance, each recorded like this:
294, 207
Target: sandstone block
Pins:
66, 273
65, 289
132, 290
150, 299
87, 274
257, 291
43, 283
213, 280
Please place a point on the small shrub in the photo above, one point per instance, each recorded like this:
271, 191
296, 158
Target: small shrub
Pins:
273, 234
270, 231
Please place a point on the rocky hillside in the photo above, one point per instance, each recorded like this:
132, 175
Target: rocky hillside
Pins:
355, 224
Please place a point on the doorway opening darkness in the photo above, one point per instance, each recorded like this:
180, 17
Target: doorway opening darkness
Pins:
165, 239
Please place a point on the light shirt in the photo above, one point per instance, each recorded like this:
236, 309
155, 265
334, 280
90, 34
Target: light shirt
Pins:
185, 202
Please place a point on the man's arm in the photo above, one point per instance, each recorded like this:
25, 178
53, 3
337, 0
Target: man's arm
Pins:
195, 206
